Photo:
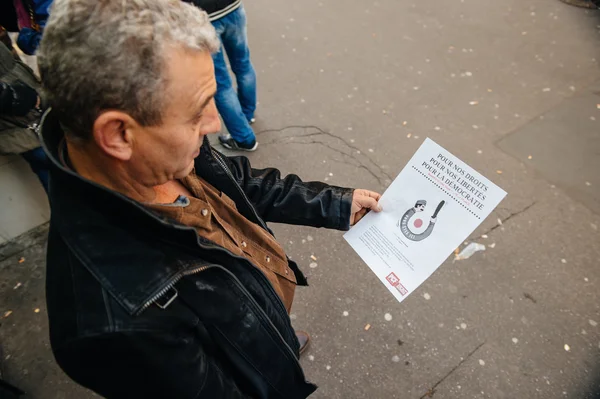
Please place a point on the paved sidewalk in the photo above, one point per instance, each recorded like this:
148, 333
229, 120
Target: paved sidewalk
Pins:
337, 82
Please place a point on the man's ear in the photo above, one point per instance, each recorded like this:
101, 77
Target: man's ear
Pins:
113, 133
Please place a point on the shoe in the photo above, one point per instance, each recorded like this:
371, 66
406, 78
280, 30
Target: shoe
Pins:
304, 340
229, 143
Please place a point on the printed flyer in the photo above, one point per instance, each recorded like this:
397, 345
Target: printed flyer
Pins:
433, 205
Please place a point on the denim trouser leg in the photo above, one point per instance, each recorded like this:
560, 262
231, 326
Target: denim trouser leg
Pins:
228, 104
236, 109
235, 41
39, 163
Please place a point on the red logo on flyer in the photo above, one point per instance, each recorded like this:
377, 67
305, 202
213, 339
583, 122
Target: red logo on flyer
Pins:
395, 282
393, 279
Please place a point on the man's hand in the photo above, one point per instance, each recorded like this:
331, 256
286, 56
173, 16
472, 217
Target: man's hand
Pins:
362, 202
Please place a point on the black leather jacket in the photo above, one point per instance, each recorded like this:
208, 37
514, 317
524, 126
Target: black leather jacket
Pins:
141, 307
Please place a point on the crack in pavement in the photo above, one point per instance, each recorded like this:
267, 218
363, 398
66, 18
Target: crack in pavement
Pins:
506, 219
321, 132
361, 166
431, 391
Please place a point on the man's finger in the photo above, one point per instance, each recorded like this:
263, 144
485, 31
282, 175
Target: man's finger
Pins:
372, 194
368, 202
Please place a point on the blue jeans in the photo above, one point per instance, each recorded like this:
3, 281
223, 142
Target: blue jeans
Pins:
39, 163
236, 109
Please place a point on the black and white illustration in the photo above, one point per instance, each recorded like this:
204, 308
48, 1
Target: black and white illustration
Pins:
411, 225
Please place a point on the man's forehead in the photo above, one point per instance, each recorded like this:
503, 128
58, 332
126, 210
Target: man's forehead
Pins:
191, 72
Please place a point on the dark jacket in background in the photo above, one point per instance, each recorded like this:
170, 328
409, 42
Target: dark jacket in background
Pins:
8, 16
18, 116
142, 307
216, 8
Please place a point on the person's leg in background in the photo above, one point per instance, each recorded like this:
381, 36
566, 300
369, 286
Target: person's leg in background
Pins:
39, 163
227, 100
235, 41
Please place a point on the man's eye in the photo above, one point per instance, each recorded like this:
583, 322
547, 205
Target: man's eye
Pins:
197, 118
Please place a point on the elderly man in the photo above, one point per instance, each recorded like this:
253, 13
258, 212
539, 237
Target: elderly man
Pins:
163, 280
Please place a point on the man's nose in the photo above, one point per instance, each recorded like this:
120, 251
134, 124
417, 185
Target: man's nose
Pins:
213, 122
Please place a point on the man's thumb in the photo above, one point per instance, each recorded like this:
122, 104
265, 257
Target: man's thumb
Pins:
371, 203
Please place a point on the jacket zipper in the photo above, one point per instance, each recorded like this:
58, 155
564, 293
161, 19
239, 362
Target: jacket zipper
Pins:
166, 288
185, 273
34, 126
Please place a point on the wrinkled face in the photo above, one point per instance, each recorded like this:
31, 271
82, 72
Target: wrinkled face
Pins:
420, 208
167, 152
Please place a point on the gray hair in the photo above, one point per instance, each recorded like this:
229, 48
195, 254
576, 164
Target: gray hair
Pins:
111, 54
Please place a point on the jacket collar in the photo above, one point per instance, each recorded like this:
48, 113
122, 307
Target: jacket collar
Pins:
131, 251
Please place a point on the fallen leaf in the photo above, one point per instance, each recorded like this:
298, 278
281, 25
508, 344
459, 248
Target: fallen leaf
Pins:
474, 103
404, 123
499, 172
37, 310
17, 286
530, 157
7, 313
313, 257
408, 135
367, 327
21, 260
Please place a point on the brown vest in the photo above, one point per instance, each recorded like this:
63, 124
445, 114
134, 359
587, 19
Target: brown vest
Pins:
216, 218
